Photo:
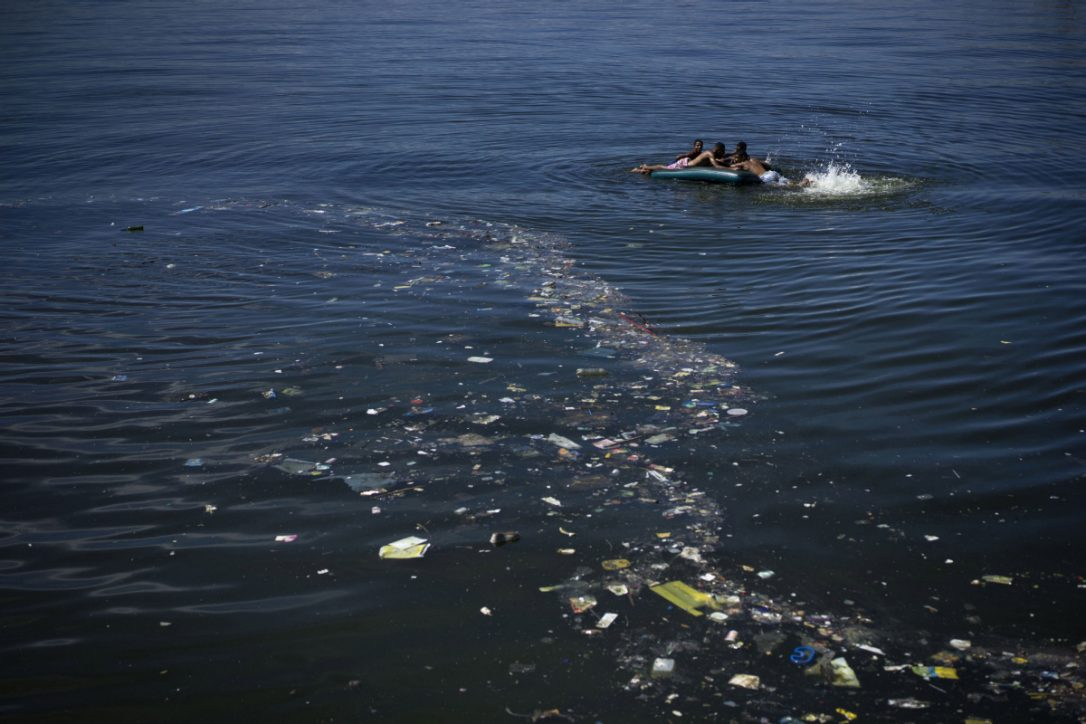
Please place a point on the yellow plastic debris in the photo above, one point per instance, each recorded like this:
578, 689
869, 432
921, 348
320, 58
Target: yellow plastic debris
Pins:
615, 564
848, 715
410, 547
685, 597
936, 672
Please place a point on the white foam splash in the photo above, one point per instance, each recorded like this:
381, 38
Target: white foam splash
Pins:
838, 180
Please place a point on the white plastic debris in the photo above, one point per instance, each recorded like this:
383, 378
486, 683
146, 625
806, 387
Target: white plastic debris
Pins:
663, 668
561, 441
747, 681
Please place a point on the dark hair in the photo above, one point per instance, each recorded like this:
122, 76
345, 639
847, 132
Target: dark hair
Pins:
723, 150
741, 146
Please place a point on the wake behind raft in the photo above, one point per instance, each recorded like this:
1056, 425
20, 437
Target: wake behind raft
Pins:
709, 175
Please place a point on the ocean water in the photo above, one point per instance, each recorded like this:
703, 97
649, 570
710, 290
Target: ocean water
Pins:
286, 282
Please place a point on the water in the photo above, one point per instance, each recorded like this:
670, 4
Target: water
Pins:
342, 203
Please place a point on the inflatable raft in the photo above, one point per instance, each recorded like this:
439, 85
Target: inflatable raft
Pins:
709, 174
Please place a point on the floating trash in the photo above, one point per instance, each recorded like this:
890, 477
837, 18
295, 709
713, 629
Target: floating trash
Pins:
561, 441
500, 539
935, 672
683, 596
410, 547
615, 564
802, 655
746, 681
842, 674
360, 482
662, 668
580, 604
1001, 580
908, 703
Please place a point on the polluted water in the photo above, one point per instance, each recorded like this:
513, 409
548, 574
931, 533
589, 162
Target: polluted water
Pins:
466, 444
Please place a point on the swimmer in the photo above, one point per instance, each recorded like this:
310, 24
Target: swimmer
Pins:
688, 160
680, 161
742, 161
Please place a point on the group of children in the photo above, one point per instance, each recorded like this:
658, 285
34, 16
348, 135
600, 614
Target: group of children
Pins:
720, 158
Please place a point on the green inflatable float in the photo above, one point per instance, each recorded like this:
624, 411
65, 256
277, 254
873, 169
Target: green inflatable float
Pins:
710, 175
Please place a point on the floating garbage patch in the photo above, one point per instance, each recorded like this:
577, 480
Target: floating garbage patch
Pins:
691, 632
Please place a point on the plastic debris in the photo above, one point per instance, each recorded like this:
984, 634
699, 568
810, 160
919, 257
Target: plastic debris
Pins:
480, 360
289, 538
615, 564
683, 596
802, 655
303, 467
936, 672
1001, 580
410, 547
842, 674
580, 604
663, 668
961, 644
691, 554
549, 500
561, 441
485, 610
500, 539
746, 681
360, 482
619, 589
606, 620
909, 703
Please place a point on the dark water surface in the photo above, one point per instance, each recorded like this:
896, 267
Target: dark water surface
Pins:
342, 203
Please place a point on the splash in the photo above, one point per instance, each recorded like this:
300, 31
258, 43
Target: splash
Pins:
839, 180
